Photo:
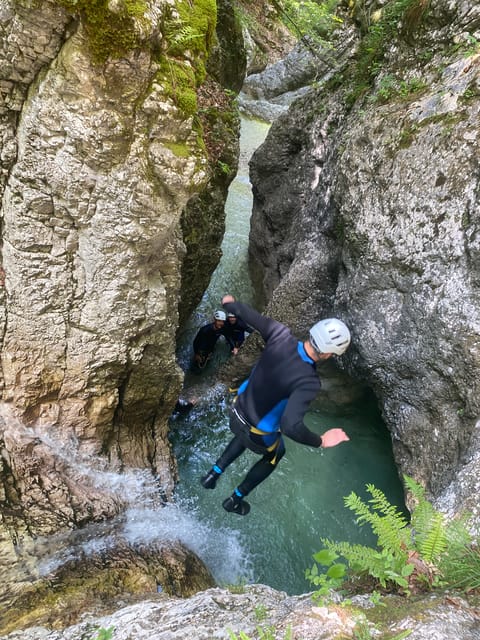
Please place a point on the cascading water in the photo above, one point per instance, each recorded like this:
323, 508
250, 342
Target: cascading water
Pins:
143, 519
302, 501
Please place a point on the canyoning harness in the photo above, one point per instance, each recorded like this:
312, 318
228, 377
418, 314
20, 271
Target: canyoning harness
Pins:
243, 428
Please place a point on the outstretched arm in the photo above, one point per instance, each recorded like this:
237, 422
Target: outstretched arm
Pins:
267, 327
293, 426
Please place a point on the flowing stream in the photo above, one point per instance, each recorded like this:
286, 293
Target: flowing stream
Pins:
302, 502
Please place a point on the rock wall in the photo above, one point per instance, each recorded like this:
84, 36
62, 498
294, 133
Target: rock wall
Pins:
103, 148
367, 206
261, 612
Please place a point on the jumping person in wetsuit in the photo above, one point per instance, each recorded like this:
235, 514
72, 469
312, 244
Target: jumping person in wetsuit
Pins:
274, 399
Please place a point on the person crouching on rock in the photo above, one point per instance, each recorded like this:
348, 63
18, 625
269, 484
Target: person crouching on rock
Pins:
206, 339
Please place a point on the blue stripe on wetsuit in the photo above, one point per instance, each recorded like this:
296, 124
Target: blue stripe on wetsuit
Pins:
303, 354
242, 387
283, 371
270, 423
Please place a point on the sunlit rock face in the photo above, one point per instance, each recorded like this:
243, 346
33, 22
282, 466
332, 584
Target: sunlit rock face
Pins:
367, 207
101, 152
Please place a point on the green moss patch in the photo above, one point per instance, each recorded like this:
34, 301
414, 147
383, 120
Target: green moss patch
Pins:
192, 30
398, 18
110, 33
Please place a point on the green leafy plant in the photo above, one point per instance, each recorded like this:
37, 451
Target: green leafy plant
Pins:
239, 587
309, 18
267, 633
376, 599
363, 630
463, 569
380, 31
329, 580
104, 634
239, 636
416, 555
467, 47
110, 33
390, 87
260, 612
224, 167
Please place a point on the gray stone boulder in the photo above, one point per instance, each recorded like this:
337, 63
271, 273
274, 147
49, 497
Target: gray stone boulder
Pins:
102, 150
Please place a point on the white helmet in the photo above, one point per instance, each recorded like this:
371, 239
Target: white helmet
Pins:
330, 336
220, 315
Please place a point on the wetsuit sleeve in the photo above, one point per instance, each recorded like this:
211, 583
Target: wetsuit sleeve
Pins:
205, 339
245, 326
198, 341
292, 424
263, 324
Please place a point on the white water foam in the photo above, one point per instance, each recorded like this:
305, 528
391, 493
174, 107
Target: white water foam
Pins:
146, 519
221, 549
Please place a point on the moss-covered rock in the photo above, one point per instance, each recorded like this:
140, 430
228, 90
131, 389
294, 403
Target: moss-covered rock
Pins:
113, 29
96, 581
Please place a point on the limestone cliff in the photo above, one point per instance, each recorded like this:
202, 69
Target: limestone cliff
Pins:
105, 142
366, 206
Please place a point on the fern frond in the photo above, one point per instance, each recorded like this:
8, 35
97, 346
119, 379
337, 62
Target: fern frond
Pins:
389, 527
359, 557
432, 544
379, 564
422, 517
458, 530
380, 503
428, 525
185, 35
416, 489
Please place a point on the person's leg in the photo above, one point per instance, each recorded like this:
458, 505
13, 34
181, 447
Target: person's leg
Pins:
257, 474
233, 450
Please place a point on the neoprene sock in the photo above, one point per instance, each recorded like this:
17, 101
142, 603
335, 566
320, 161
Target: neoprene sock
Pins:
236, 504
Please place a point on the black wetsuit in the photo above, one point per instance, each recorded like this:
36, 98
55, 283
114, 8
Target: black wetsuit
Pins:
206, 338
205, 341
273, 400
236, 332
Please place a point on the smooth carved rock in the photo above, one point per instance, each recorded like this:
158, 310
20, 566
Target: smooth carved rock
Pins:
217, 614
98, 580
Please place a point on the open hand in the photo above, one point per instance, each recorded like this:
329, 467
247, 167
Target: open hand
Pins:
332, 437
